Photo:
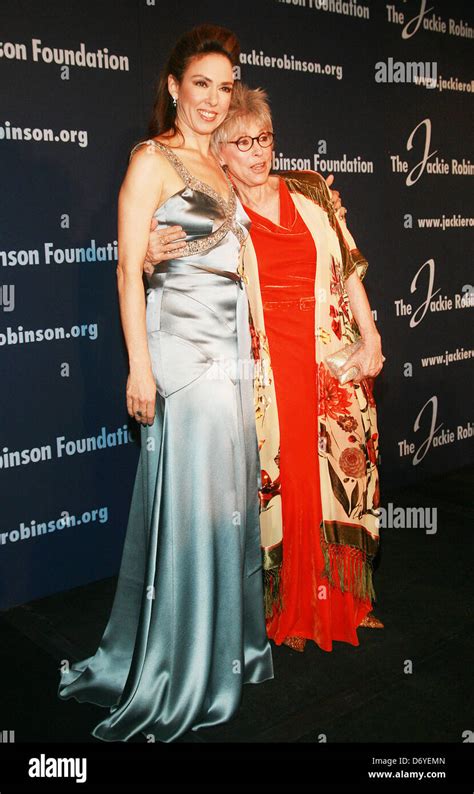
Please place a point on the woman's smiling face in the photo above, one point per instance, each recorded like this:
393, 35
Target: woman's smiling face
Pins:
204, 93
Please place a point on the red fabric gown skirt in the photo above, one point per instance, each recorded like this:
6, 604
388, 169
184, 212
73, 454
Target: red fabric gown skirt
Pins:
287, 267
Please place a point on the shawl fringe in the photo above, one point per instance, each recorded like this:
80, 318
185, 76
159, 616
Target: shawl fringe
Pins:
273, 591
349, 569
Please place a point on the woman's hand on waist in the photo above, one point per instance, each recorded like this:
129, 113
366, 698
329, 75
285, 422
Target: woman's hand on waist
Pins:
163, 244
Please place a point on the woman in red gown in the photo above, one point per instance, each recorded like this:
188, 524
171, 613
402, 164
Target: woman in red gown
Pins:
288, 304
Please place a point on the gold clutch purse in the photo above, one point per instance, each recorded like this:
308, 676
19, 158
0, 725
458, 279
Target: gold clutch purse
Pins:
337, 360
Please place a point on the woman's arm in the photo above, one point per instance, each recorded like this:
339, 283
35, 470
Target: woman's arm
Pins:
369, 358
168, 243
139, 196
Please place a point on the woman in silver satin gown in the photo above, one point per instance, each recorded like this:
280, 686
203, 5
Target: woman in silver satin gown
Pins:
187, 626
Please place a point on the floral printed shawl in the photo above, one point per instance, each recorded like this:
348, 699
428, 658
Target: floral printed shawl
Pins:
348, 438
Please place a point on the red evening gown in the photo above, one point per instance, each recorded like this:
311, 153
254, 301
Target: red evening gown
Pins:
287, 267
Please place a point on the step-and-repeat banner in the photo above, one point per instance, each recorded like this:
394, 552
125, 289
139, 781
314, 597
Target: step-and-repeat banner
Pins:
379, 94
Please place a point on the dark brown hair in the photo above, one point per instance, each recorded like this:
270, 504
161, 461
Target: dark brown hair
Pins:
201, 40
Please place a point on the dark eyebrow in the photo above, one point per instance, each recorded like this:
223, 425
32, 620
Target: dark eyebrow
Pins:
209, 79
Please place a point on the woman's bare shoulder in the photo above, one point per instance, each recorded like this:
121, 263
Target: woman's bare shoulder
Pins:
149, 167
147, 151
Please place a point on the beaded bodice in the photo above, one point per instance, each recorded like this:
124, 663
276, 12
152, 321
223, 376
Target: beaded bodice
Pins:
225, 217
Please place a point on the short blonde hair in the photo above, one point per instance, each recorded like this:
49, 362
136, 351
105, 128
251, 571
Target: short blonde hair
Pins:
246, 104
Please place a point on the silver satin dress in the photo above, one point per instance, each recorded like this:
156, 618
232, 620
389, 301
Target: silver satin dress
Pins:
187, 626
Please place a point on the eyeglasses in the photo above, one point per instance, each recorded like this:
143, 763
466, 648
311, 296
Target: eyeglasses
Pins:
245, 143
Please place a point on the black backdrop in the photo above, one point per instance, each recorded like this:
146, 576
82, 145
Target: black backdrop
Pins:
64, 381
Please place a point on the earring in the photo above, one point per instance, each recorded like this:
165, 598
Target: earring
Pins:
175, 101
